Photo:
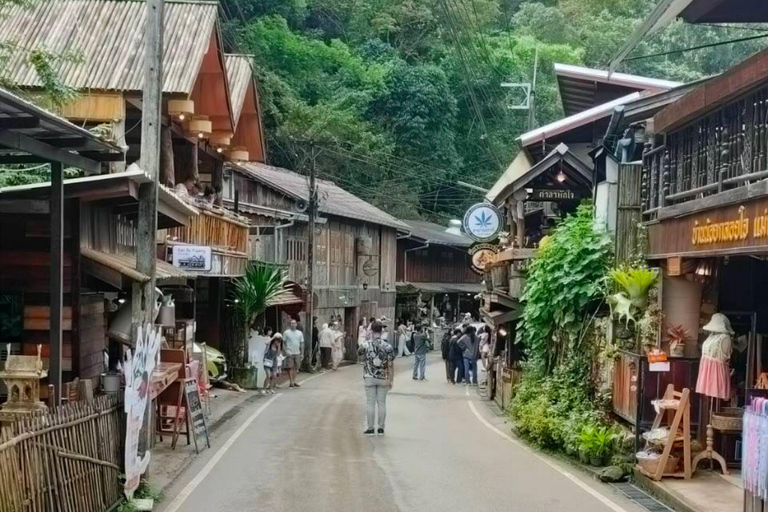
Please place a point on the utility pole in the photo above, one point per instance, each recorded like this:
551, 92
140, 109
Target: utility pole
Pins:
532, 101
311, 257
146, 245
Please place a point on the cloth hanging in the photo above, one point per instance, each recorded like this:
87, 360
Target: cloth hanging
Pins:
754, 460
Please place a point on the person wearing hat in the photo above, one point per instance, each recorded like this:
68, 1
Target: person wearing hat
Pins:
714, 372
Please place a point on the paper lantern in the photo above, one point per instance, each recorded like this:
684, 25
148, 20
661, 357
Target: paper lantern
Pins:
220, 140
239, 154
200, 126
181, 109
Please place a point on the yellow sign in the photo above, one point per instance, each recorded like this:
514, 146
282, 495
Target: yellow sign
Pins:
715, 233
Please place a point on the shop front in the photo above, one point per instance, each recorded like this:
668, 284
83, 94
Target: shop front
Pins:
714, 261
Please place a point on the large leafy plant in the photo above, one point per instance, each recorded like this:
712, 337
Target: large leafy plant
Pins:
565, 281
636, 282
257, 290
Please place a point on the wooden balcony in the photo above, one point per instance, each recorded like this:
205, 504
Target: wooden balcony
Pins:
725, 149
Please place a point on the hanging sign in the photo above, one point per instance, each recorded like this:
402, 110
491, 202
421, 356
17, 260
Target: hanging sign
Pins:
657, 361
481, 255
483, 222
555, 194
138, 368
192, 257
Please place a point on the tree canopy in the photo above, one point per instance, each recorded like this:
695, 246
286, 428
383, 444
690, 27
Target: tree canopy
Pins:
402, 98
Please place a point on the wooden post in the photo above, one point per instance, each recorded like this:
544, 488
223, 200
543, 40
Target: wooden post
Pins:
118, 132
192, 161
57, 283
166, 157
311, 258
217, 181
520, 224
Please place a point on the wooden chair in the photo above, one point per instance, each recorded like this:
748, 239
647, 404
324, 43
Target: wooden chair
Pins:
676, 407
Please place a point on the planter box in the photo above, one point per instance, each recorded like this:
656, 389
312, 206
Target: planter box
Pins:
246, 377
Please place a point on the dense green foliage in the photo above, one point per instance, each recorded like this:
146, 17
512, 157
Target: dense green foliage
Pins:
564, 282
402, 98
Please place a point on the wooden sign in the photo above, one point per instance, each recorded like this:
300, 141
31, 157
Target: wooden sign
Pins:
674, 266
735, 229
482, 255
555, 194
195, 412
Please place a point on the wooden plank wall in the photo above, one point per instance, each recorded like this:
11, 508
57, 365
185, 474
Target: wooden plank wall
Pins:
435, 264
629, 211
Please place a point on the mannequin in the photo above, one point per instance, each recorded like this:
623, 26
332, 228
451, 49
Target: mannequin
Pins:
714, 378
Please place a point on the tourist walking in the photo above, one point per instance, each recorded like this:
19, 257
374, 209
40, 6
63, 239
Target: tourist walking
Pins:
457, 356
420, 350
362, 331
485, 345
326, 337
468, 344
337, 350
446, 354
270, 364
293, 348
378, 377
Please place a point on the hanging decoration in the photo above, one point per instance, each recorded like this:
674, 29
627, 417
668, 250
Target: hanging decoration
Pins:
239, 154
181, 109
200, 126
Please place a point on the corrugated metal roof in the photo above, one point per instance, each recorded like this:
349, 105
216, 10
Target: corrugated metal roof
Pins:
334, 200
126, 265
109, 36
239, 75
437, 234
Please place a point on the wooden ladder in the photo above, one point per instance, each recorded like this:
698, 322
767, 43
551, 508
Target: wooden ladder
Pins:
678, 401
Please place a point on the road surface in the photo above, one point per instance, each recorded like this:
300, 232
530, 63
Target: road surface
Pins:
444, 450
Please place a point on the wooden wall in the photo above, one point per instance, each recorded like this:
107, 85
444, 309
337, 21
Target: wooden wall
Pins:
435, 264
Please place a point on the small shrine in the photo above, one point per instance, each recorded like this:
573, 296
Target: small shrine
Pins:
22, 376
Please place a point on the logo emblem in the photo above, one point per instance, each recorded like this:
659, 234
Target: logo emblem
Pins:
482, 222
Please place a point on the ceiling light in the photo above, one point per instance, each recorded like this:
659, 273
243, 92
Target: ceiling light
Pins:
560, 176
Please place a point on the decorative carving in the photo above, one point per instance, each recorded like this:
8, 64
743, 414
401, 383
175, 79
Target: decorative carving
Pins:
22, 377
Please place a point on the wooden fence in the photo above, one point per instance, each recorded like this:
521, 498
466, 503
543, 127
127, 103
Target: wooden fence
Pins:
65, 460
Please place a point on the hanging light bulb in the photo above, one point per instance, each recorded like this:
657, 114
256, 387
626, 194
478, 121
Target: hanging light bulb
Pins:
560, 176
181, 109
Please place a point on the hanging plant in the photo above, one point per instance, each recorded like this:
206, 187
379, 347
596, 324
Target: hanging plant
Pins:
636, 282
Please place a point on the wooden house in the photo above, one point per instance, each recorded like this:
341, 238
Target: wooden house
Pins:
434, 268
355, 242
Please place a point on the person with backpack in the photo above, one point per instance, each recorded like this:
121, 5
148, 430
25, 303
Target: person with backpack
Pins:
378, 377
457, 357
470, 352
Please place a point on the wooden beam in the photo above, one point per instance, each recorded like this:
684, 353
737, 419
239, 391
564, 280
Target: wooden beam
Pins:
19, 123
57, 273
167, 168
103, 157
21, 142
26, 206
63, 142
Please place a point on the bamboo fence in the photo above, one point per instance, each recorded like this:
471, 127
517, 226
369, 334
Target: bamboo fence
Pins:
67, 459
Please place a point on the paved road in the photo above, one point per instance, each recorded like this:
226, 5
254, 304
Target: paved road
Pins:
303, 451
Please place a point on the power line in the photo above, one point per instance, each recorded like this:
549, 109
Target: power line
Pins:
699, 47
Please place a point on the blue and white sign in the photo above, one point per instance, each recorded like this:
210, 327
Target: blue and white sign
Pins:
196, 258
482, 222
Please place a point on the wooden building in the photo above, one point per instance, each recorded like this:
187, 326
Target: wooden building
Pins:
355, 242
434, 268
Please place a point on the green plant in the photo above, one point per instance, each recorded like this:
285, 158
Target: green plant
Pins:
596, 442
257, 290
636, 281
564, 284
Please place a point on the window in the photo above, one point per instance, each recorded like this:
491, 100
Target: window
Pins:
295, 249
349, 250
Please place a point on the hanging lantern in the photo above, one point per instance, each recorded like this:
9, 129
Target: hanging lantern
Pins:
200, 126
220, 140
239, 154
181, 109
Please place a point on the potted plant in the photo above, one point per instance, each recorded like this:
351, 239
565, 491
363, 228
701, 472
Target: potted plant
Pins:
636, 282
596, 444
677, 336
253, 293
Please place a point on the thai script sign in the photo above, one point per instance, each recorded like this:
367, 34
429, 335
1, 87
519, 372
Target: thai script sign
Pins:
192, 257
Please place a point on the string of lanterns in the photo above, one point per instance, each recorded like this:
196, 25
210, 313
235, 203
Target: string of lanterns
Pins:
201, 127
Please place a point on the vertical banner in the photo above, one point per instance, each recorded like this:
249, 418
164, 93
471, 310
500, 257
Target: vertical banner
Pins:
138, 367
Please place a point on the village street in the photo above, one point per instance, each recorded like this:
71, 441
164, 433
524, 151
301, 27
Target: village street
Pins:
443, 450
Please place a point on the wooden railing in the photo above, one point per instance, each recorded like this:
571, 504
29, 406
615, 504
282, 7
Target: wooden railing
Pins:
65, 459
725, 149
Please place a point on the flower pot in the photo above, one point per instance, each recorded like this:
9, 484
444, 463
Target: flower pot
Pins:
597, 461
583, 457
677, 349
245, 377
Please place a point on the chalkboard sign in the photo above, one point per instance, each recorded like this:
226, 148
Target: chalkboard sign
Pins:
195, 411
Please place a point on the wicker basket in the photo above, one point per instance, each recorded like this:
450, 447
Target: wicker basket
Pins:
651, 465
729, 419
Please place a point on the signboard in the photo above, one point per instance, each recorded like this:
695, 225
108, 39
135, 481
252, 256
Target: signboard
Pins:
482, 222
196, 258
734, 229
195, 412
137, 368
674, 266
481, 255
555, 194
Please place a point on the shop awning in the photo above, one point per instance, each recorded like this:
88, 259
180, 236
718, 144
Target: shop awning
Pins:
497, 318
414, 288
113, 269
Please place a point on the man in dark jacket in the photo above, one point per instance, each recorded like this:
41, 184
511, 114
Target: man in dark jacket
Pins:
456, 357
469, 347
444, 350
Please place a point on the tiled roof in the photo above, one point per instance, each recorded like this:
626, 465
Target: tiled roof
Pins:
109, 35
436, 234
239, 76
334, 200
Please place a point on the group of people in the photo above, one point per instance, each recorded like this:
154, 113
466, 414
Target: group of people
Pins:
283, 352
461, 349
331, 341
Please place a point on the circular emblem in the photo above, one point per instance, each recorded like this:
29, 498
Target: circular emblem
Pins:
481, 255
482, 222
